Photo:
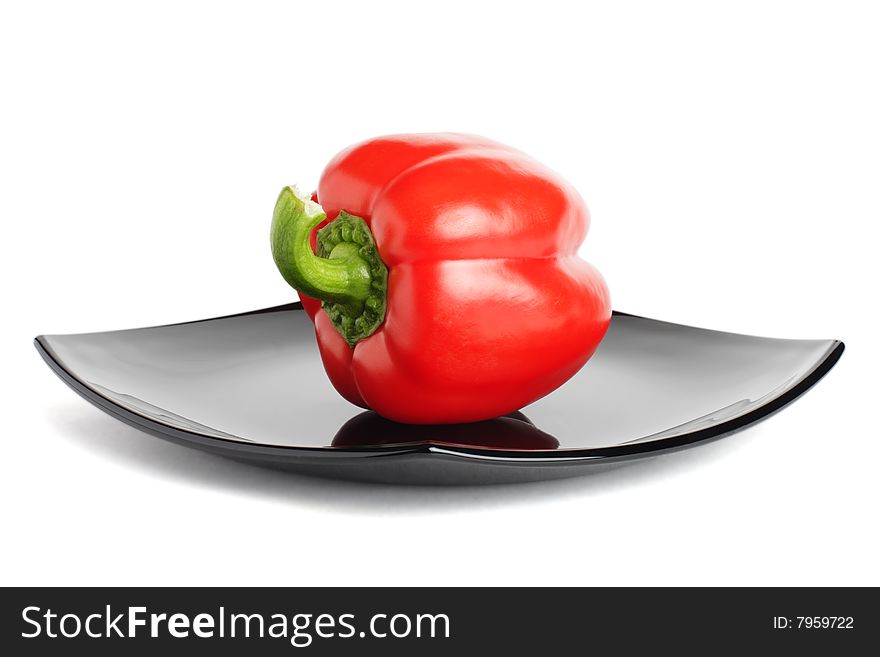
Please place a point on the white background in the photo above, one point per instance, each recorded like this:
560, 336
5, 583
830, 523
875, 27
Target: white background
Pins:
730, 155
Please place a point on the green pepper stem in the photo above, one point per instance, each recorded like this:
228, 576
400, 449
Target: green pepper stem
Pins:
343, 277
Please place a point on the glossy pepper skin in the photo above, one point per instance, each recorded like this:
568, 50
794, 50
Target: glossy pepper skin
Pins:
488, 307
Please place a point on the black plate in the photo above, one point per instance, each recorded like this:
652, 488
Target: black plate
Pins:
251, 387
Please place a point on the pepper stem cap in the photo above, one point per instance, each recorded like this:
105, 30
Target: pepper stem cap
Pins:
346, 274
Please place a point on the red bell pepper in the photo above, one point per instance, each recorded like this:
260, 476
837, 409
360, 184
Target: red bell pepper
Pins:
443, 281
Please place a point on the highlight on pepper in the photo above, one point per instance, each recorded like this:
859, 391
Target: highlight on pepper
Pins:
442, 276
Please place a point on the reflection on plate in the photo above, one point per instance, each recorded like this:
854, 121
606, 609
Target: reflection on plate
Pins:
513, 431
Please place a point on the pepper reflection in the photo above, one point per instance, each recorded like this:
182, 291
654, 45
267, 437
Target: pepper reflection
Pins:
513, 431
